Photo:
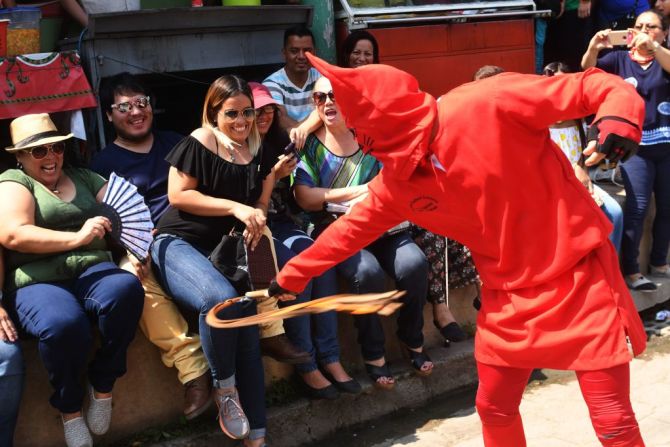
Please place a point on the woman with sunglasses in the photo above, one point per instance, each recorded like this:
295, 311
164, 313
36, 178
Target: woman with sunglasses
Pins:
217, 183
59, 274
645, 64
360, 48
334, 170
315, 334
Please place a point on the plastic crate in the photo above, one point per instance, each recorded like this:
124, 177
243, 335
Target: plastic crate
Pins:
23, 32
3, 37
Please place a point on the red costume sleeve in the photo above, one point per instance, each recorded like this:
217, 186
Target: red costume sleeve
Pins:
543, 100
349, 234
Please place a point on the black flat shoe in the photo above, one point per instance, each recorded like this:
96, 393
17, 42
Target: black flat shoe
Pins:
328, 393
451, 332
350, 386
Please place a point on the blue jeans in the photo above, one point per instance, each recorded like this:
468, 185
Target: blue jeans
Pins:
233, 354
315, 334
400, 258
11, 387
614, 213
58, 315
643, 174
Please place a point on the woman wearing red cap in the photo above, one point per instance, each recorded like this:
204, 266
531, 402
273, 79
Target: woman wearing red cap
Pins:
553, 296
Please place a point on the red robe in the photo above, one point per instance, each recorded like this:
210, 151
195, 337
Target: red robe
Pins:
552, 295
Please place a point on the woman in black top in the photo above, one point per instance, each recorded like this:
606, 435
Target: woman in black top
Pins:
216, 183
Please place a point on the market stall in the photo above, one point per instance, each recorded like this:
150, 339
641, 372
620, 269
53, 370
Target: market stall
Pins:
444, 43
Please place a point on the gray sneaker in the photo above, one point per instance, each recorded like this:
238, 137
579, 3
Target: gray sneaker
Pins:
232, 419
99, 413
76, 433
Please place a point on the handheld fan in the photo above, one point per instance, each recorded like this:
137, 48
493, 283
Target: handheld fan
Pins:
129, 215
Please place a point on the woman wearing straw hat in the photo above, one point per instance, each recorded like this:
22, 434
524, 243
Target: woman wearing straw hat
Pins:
59, 273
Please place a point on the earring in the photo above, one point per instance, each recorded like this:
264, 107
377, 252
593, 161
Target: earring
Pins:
19, 165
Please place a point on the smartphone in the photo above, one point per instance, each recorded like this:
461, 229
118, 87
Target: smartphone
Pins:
291, 149
620, 38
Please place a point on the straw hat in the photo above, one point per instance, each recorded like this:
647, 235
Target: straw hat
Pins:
33, 130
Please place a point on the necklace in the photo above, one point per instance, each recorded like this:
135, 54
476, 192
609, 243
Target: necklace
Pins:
55, 188
228, 143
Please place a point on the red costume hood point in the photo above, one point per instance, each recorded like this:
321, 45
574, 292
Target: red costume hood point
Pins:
392, 117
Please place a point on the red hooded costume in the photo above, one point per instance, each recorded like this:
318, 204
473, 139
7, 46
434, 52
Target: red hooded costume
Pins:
479, 167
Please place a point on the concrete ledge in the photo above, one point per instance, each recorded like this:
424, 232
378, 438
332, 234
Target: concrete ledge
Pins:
305, 421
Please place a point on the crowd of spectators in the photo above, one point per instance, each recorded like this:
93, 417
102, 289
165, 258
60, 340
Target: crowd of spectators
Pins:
234, 175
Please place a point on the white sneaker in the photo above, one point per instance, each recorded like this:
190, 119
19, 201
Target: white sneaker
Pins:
76, 433
98, 414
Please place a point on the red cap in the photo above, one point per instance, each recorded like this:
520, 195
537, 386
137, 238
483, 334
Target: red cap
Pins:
391, 116
262, 96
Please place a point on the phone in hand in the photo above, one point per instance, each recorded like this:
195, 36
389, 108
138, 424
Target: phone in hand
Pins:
291, 149
620, 38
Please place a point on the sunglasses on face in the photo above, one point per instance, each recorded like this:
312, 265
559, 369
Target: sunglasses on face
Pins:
124, 107
248, 114
39, 152
268, 109
320, 97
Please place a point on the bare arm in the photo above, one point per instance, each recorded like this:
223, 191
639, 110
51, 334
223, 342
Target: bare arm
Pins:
285, 121
648, 47
7, 329
311, 198
76, 11
19, 232
598, 42
311, 124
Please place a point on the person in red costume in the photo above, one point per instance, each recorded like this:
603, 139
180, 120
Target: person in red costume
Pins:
553, 296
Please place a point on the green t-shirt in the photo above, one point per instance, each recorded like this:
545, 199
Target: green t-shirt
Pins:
23, 269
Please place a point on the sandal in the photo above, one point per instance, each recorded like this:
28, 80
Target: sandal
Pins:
377, 372
659, 272
418, 359
451, 332
641, 284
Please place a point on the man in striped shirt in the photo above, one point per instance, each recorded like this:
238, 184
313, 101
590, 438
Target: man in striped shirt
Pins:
292, 85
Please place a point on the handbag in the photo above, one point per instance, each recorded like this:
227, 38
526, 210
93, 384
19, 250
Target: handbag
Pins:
230, 258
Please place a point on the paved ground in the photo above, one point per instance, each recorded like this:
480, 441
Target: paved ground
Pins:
553, 411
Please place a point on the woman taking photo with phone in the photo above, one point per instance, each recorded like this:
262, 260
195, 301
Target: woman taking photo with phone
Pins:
315, 334
645, 64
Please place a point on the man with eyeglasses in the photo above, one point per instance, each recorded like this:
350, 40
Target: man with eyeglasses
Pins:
138, 154
292, 85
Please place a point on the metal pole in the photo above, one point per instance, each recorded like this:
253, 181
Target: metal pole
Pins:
323, 28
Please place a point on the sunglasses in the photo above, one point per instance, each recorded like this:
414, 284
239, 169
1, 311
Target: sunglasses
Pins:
39, 152
268, 109
320, 97
124, 107
248, 114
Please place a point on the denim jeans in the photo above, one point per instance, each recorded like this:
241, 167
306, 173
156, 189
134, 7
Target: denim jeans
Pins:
400, 258
315, 334
614, 213
195, 284
58, 315
11, 387
644, 173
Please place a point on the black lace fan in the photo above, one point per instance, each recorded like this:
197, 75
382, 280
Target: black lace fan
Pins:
131, 219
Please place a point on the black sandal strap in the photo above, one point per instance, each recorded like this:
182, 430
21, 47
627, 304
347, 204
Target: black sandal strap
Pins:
375, 372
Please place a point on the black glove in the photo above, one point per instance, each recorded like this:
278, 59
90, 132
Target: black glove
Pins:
275, 289
616, 138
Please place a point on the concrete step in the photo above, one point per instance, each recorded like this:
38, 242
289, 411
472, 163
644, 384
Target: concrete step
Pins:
305, 422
